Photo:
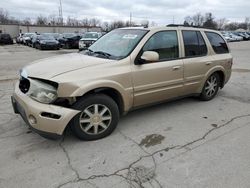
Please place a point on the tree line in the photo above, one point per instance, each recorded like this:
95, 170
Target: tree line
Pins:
207, 21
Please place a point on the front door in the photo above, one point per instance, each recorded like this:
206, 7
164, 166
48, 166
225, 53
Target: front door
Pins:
161, 80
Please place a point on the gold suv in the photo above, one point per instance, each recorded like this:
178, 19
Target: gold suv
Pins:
125, 69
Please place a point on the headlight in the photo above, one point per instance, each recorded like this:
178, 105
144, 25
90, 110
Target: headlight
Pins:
42, 92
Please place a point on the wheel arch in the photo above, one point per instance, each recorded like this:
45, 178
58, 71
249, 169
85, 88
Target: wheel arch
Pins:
111, 92
218, 69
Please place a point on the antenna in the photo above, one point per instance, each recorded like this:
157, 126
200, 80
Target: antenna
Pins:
60, 12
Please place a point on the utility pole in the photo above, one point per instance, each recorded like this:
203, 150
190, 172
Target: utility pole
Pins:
130, 19
60, 12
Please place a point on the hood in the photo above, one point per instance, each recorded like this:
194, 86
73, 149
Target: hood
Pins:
55, 66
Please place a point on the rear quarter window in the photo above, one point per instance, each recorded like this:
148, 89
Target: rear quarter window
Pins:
218, 43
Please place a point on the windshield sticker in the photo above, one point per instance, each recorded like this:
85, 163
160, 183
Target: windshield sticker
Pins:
129, 36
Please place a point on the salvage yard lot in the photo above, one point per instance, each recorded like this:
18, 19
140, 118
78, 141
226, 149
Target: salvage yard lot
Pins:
185, 143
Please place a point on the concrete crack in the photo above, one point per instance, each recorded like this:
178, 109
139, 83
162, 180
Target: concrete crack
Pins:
213, 129
69, 164
151, 155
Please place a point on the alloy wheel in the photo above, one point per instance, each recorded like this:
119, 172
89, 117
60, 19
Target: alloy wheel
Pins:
95, 119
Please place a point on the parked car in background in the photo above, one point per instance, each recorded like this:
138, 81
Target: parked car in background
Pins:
244, 35
44, 41
236, 37
26, 39
5, 39
70, 40
19, 38
88, 39
228, 37
126, 69
29, 42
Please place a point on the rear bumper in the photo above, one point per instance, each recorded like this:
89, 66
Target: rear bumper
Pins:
45, 126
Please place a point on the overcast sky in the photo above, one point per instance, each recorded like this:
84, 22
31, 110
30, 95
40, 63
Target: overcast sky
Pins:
160, 11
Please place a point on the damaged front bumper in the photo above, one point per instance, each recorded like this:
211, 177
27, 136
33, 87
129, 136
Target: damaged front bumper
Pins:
48, 120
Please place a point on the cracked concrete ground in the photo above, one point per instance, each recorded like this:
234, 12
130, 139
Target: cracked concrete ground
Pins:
185, 143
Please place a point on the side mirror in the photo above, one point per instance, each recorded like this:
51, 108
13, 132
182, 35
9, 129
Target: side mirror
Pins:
150, 56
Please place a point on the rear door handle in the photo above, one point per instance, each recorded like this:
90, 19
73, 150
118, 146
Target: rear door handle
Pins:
208, 63
176, 67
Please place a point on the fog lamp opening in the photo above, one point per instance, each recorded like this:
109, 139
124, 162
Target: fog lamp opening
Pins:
32, 119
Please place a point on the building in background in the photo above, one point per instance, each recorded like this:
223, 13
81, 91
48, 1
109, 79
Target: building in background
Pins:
14, 29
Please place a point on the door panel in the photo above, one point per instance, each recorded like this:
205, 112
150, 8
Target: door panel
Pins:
154, 82
194, 71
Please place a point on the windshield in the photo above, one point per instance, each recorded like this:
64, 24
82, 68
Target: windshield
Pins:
118, 43
69, 35
28, 34
90, 35
46, 37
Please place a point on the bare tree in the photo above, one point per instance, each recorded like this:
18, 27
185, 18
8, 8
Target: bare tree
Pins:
198, 19
41, 20
94, 22
53, 20
26, 21
209, 21
4, 16
188, 20
247, 21
85, 22
221, 23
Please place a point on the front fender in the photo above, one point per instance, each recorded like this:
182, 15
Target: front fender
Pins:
83, 88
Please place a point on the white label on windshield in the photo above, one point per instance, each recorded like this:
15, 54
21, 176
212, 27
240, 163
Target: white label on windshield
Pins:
129, 36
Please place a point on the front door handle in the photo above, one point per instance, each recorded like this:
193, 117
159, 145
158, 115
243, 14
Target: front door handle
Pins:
176, 67
208, 63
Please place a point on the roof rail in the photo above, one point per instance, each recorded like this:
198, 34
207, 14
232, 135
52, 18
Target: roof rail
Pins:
180, 25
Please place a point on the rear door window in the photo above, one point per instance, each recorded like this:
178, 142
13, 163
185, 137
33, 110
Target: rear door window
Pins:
194, 44
218, 43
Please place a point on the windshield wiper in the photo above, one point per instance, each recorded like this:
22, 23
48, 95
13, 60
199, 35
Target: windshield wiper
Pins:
105, 54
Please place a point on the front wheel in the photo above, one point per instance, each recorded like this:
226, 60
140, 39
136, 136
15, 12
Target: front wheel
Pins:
98, 118
211, 87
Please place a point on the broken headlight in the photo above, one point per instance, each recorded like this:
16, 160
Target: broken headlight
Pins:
42, 92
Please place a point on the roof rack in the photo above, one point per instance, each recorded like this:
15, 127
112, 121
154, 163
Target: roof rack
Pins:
180, 25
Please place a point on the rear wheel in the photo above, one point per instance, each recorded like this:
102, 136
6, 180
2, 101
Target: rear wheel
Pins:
211, 87
98, 118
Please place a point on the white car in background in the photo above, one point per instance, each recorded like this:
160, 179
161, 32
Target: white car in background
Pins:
27, 37
227, 37
88, 39
236, 37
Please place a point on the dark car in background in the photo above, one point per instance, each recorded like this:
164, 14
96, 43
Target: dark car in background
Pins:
46, 42
29, 41
5, 39
70, 40
88, 39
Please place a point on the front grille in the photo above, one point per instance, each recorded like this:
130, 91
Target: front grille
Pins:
88, 41
24, 85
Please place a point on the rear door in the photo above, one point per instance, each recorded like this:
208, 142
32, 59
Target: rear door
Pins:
196, 60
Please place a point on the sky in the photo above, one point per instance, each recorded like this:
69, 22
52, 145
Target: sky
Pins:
161, 12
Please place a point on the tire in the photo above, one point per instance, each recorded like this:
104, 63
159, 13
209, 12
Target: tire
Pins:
211, 87
93, 108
